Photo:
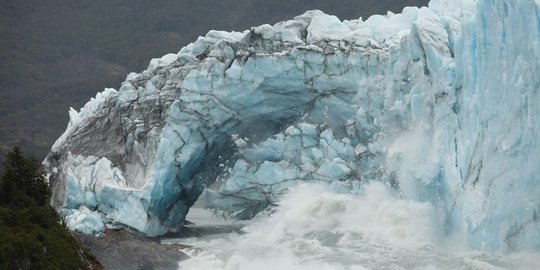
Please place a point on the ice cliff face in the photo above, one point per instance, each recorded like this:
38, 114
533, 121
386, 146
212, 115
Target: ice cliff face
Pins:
440, 103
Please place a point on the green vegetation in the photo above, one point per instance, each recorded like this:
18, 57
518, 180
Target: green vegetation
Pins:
31, 236
59, 53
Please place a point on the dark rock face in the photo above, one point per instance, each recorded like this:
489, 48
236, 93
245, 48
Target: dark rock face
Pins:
124, 250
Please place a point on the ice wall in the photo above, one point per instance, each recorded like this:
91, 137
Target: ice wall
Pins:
498, 57
437, 102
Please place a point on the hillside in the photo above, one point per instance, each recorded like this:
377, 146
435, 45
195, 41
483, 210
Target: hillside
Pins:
59, 53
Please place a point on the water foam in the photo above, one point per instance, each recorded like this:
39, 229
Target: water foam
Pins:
317, 228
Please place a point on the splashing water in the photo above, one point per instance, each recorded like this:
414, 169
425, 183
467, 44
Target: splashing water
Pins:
316, 228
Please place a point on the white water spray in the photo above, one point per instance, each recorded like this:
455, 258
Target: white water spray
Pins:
315, 228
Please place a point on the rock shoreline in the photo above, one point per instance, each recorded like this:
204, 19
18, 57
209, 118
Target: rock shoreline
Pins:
121, 249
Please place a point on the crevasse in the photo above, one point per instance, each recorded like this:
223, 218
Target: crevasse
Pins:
440, 103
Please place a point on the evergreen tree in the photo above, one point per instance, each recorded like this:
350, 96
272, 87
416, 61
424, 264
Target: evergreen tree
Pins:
23, 181
31, 236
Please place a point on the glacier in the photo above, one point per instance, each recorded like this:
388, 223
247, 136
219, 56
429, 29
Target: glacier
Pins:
439, 102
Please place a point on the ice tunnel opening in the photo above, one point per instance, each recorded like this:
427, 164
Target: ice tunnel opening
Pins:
324, 108
254, 128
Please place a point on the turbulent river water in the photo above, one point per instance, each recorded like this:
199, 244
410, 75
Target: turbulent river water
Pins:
316, 228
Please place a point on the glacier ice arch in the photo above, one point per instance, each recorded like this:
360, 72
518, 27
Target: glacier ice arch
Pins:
440, 102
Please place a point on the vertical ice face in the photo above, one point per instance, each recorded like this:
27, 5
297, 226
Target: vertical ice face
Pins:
498, 135
439, 102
